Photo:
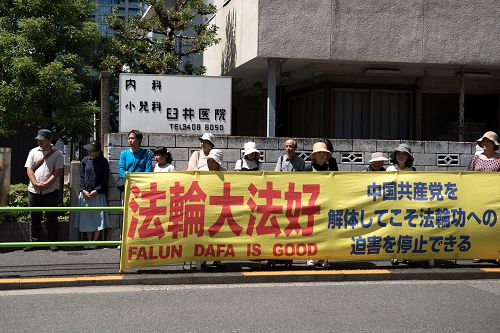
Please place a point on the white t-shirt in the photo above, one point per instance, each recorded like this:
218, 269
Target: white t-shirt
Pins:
164, 168
54, 162
395, 167
202, 162
245, 164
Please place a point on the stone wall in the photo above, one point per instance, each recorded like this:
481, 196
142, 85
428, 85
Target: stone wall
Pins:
351, 154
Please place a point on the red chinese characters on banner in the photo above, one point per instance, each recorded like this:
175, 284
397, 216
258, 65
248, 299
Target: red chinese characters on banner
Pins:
149, 212
186, 214
187, 210
226, 201
294, 210
268, 211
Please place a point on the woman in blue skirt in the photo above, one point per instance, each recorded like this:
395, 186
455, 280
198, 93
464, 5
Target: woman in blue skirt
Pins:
94, 173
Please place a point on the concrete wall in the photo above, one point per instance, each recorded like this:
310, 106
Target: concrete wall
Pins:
380, 31
237, 22
351, 155
408, 31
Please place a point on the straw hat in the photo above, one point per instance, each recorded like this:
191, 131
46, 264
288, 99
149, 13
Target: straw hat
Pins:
403, 147
491, 136
249, 148
378, 156
319, 147
207, 137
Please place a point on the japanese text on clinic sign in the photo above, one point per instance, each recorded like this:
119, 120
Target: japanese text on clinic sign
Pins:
175, 103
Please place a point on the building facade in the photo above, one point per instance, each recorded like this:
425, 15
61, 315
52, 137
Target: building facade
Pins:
355, 69
125, 8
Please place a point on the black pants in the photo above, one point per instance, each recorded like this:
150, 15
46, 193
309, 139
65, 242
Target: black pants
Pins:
43, 200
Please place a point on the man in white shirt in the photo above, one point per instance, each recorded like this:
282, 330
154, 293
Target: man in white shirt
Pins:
44, 166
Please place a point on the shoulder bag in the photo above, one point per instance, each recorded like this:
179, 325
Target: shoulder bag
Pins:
120, 183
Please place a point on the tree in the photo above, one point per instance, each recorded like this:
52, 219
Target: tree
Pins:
46, 74
180, 29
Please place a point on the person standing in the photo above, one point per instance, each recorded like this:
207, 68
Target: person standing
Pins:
44, 167
488, 160
320, 157
377, 162
214, 163
250, 160
198, 160
94, 173
332, 162
290, 162
163, 159
401, 159
135, 159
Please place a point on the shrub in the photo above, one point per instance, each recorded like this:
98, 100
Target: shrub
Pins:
18, 197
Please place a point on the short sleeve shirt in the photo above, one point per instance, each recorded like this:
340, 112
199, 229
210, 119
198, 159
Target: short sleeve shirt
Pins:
54, 162
295, 163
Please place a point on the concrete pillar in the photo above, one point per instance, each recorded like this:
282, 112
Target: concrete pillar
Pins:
74, 182
272, 71
105, 105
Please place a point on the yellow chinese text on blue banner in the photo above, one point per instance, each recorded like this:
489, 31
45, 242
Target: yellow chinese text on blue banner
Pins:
198, 216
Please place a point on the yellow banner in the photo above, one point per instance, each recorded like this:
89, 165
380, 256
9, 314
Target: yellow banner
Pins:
203, 216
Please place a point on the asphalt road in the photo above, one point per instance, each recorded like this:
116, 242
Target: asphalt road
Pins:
416, 306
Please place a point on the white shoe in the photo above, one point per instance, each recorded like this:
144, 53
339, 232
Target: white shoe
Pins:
118, 247
322, 263
310, 263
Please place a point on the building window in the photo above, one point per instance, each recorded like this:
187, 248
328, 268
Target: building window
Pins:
440, 114
371, 114
306, 113
352, 114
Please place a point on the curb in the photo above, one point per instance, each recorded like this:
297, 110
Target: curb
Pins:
249, 277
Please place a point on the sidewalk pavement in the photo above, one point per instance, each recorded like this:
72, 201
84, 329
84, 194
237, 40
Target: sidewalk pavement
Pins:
78, 267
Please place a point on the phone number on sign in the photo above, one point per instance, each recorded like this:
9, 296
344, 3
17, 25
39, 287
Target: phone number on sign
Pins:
196, 127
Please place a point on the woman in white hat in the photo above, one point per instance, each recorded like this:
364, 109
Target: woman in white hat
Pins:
377, 162
250, 160
401, 159
198, 160
488, 160
214, 160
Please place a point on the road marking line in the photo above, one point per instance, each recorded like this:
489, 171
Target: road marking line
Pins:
490, 270
329, 272
62, 279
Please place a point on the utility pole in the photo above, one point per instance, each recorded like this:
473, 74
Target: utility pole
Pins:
105, 105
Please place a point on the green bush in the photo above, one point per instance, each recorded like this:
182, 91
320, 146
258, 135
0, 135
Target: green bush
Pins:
18, 197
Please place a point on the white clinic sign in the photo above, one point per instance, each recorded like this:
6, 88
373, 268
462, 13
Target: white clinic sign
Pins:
175, 104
